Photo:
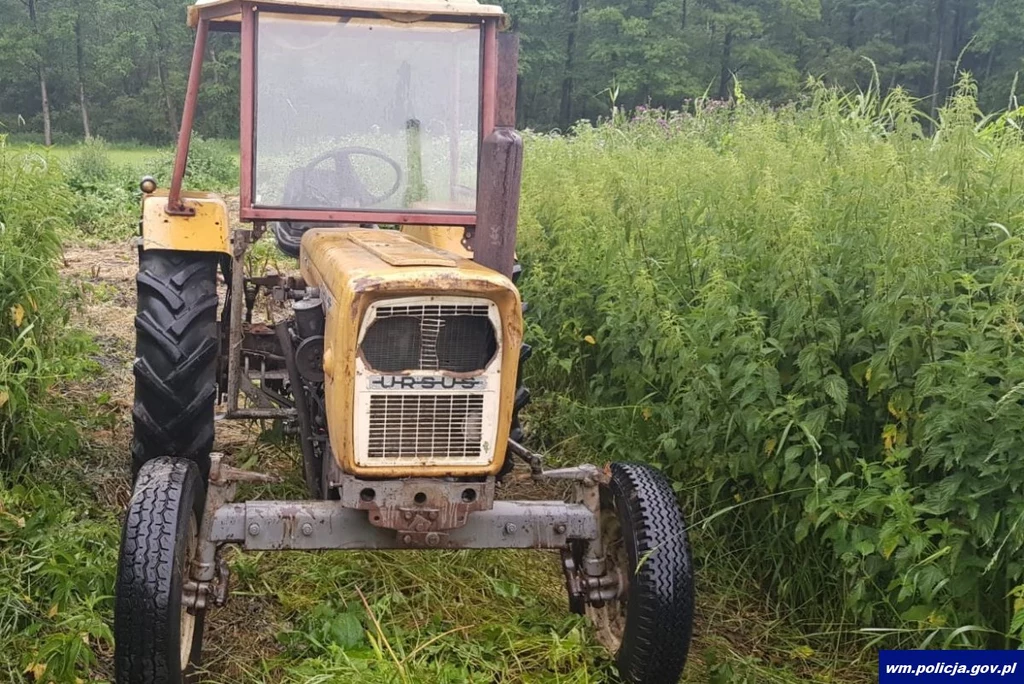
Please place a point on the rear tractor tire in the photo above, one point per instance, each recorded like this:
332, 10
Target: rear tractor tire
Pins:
157, 637
643, 534
176, 353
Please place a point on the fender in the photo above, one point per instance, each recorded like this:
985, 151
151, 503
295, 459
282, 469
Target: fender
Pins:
207, 231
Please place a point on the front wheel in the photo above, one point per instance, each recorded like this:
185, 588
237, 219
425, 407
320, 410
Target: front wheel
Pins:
157, 637
643, 533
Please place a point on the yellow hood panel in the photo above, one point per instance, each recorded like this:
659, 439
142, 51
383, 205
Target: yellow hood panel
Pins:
354, 267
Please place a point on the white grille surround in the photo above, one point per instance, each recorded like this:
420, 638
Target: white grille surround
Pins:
428, 416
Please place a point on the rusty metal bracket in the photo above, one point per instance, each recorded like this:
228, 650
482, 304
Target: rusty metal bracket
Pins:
208, 576
420, 510
467, 237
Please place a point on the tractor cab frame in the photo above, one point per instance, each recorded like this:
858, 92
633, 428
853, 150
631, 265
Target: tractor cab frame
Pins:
498, 166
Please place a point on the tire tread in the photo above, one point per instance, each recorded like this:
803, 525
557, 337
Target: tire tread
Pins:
175, 357
660, 605
143, 619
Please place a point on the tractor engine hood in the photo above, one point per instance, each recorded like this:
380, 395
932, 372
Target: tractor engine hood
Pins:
359, 271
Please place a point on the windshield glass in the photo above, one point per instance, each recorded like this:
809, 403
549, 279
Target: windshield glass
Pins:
366, 114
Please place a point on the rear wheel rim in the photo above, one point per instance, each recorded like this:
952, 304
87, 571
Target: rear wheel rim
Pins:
610, 619
188, 616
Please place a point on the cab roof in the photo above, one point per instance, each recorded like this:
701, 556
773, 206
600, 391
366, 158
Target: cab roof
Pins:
408, 10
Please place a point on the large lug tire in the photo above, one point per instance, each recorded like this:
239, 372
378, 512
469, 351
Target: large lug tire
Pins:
176, 353
644, 536
157, 640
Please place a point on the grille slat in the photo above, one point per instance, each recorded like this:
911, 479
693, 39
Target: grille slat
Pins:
425, 426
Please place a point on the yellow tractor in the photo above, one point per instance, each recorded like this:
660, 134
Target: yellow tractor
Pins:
378, 147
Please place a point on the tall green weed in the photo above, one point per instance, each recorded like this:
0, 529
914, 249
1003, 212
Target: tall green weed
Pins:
35, 208
810, 319
212, 166
106, 195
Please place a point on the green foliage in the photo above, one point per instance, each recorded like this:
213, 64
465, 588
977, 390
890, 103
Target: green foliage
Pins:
55, 567
424, 617
35, 207
104, 180
810, 319
664, 52
54, 559
106, 197
212, 165
324, 629
127, 65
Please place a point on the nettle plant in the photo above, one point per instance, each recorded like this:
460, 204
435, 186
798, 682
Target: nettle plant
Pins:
811, 319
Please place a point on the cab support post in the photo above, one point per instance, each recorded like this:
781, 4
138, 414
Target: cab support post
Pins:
174, 204
501, 166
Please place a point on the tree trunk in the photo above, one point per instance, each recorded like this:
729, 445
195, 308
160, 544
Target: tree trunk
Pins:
41, 71
723, 76
958, 29
215, 67
47, 132
519, 101
80, 54
161, 73
172, 117
565, 114
937, 73
85, 111
851, 27
684, 14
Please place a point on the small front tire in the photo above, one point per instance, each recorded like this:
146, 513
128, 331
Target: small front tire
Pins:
157, 640
643, 533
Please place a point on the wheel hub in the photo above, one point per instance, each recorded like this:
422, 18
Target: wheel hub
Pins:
609, 616
602, 598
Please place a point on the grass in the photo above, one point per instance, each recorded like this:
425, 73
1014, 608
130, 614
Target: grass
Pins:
133, 156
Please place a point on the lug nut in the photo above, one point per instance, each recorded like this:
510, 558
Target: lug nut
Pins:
307, 529
407, 515
510, 528
433, 515
559, 528
433, 539
254, 530
407, 539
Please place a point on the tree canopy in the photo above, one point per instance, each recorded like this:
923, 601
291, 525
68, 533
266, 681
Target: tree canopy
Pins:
117, 69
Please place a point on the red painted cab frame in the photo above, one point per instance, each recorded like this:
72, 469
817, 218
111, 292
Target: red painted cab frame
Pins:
247, 142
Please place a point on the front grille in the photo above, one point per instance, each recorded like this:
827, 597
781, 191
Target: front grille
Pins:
451, 337
427, 426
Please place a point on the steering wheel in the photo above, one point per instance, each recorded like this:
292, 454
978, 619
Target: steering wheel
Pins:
328, 188
340, 186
